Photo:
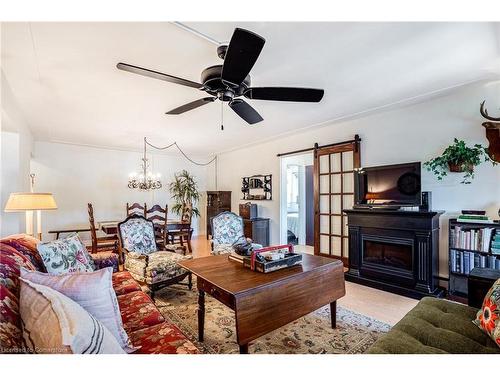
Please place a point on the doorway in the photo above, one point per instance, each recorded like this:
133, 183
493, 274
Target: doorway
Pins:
297, 201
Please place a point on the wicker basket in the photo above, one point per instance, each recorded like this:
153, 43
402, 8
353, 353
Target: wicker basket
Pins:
462, 167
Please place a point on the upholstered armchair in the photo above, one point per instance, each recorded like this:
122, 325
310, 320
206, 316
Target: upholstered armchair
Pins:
227, 228
147, 264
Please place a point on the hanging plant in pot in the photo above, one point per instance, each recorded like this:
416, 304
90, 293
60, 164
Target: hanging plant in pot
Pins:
459, 158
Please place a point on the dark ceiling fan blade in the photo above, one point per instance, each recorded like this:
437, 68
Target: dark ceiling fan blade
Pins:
285, 94
153, 74
242, 53
190, 106
245, 111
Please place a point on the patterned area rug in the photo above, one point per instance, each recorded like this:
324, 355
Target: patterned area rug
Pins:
311, 334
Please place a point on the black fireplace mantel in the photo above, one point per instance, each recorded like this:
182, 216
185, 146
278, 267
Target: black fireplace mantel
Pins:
395, 250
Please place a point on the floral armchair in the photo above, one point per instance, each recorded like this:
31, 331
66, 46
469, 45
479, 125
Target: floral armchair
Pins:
227, 229
146, 263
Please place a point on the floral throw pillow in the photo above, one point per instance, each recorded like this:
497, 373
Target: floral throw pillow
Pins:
65, 256
488, 317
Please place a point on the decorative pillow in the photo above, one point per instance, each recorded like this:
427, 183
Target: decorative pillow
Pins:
66, 255
138, 236
105, 259
10, 262
91, 290
53, 323
488, 317
26, 240
10, 325
26, 245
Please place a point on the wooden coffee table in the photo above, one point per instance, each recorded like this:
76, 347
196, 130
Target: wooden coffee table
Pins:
265, 302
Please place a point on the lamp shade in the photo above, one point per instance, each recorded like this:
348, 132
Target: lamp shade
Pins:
30, 201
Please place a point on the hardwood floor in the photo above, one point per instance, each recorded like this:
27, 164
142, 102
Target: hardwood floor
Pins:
200, 246
380, 305
384, 306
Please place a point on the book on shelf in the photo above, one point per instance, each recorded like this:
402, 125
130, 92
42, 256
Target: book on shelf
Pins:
453, 260
473, 217
463, 261
495, 244
472, 239
475, 221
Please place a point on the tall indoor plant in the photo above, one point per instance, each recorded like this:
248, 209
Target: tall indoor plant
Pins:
458, 157
184, 191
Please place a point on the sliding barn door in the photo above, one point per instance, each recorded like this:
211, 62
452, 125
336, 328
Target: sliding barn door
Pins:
333, 192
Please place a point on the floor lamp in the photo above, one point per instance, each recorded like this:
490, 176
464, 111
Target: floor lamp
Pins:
30, 202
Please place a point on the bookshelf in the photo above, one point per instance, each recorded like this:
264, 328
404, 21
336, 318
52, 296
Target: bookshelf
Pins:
470, 246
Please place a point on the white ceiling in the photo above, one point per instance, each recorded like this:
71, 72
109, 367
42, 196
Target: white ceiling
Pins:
64, 78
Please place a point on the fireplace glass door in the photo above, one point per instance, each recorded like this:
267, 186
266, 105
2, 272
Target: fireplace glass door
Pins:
386, 254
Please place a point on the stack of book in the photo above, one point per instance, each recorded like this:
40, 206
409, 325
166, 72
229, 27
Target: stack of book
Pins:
237, 258
464, 261
472, 239
474, 218
495, 244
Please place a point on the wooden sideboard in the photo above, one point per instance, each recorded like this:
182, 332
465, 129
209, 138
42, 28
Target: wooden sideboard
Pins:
257, 229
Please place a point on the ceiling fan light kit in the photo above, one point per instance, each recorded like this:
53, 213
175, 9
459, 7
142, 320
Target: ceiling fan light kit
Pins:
231, 80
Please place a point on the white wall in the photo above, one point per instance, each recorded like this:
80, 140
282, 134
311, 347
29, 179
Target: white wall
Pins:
414, 133
16, 147
9, 222
78, 175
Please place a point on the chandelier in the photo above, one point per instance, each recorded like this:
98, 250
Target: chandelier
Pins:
145, 179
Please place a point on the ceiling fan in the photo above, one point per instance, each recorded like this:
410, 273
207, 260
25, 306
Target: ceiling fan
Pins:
230, 81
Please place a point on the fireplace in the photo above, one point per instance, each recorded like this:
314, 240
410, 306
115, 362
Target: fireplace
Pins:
388, 254
395, 251
388, 258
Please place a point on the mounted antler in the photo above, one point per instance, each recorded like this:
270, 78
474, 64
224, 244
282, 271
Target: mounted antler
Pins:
492, 133
484, 113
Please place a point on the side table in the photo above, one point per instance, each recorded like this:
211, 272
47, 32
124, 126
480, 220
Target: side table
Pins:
480, 281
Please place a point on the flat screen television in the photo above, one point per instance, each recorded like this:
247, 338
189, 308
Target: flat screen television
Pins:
388, 186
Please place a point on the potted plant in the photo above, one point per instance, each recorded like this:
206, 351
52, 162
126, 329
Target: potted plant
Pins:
458, 157
184, 192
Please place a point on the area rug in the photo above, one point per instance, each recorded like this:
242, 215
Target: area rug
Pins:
310, 334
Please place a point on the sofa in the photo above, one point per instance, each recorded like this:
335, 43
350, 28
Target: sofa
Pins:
143, 322
437, 326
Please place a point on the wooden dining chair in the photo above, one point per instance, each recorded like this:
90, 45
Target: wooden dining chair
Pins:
183, 235
103, 243
158, 215
137, 209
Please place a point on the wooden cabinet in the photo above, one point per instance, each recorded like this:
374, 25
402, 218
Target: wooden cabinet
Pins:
479, 283
217, 202
257, 229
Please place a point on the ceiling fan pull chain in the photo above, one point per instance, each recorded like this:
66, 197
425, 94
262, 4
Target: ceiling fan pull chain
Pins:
221, 115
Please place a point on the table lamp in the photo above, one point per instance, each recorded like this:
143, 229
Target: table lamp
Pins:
30, 202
